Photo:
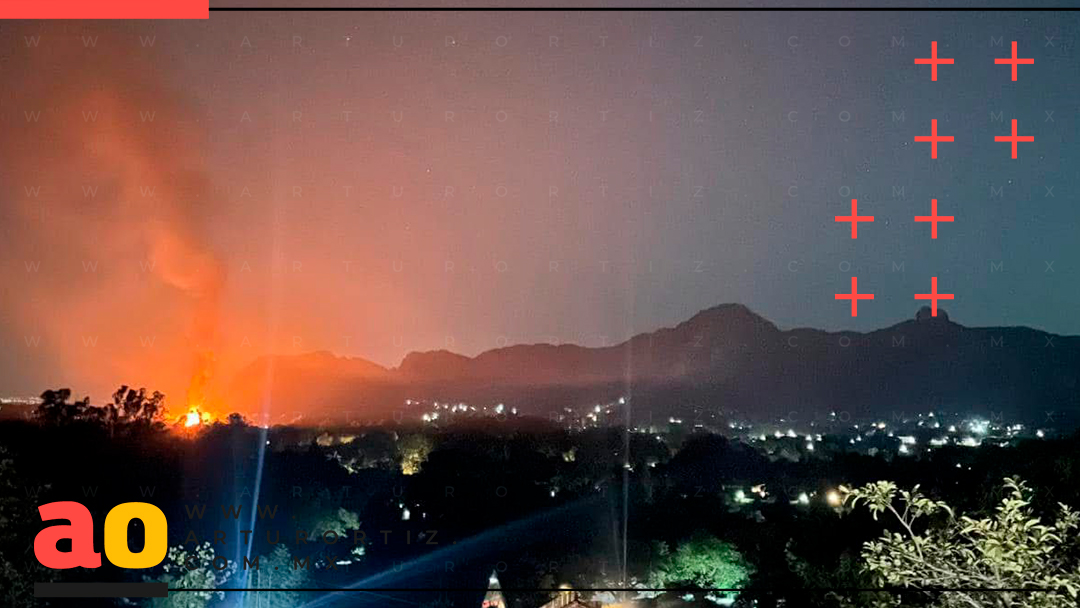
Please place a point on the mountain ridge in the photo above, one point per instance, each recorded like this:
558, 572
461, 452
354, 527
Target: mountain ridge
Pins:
725, 359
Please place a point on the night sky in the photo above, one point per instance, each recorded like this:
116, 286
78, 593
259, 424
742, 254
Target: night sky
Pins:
376, 183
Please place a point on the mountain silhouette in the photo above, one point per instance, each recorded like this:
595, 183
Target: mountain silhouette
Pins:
725, 360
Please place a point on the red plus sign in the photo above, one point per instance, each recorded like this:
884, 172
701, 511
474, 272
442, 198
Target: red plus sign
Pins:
854, 218
1014, 61
933, 218
854, 296
933, 138
933, 61
933, 296
1015, 139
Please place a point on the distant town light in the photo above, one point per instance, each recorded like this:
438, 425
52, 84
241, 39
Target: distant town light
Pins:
833, 498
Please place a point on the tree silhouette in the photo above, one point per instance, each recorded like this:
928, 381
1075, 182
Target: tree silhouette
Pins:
18, 512
131, 411
57, 411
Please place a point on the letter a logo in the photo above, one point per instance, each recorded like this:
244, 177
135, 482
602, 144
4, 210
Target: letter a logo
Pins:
80, 531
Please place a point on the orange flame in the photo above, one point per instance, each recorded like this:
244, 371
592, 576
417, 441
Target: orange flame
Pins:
192, 418
196, 396
200, 379
196, 417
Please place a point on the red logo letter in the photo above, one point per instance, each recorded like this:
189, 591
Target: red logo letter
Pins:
81, 533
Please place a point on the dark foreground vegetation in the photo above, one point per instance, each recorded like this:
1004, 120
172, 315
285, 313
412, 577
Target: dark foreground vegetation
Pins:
405, 506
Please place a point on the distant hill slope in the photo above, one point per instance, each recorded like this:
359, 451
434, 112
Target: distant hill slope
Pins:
724, 358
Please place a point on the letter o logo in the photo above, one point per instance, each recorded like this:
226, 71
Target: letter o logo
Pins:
157, 532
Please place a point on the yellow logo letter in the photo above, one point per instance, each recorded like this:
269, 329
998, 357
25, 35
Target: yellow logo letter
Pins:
116, 538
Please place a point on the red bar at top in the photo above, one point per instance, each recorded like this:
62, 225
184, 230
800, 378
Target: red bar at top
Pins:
105, 9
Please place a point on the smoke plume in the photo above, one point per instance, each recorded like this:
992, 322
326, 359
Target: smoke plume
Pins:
104, 196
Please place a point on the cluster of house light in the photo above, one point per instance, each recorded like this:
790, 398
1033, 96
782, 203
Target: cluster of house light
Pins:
459, 408
832, 497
